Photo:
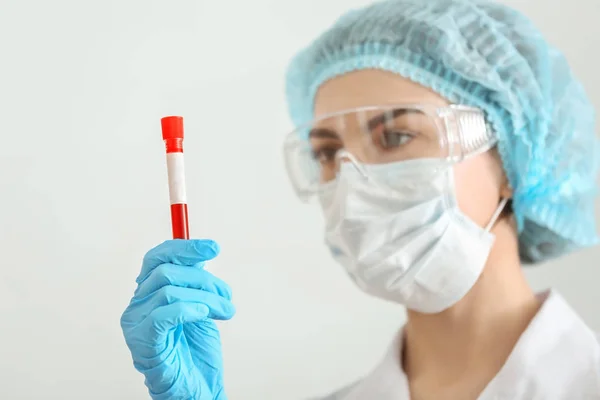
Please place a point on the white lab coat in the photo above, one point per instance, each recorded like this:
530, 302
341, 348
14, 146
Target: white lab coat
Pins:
556, 358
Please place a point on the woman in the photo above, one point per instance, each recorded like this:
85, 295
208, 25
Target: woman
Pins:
447, 144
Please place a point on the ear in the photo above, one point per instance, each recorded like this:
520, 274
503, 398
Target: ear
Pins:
506, 191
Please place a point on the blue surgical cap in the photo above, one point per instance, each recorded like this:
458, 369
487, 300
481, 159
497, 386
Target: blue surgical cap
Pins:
489, 56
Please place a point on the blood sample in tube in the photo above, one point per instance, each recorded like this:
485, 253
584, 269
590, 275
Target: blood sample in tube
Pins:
172, 134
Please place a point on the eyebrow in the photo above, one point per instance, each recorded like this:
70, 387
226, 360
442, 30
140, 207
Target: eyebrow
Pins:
383, 117
325, 133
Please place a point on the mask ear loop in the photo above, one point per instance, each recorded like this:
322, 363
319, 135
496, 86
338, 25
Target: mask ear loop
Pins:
496, 214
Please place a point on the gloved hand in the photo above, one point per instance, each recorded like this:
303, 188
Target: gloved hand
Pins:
168, 325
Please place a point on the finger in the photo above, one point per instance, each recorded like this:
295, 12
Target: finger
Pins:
219, 307
163, 319
180, 252
186, 277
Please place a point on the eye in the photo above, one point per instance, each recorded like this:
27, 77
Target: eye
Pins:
395, 138
324, 155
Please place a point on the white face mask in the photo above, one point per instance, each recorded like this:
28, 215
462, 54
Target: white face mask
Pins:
405, 240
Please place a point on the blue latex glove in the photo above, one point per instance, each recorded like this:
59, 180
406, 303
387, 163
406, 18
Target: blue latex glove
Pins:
168, 325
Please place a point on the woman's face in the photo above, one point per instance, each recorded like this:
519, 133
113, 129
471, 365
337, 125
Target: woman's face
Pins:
480, 181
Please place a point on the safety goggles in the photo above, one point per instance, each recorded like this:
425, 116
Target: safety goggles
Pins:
381, 135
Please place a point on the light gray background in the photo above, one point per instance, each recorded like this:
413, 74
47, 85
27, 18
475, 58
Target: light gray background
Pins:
84, 195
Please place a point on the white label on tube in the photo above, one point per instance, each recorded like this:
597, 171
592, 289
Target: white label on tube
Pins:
176, 178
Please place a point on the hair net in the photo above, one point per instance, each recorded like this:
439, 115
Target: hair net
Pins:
489, 56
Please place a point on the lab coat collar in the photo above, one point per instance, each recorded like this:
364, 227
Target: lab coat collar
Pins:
557, 357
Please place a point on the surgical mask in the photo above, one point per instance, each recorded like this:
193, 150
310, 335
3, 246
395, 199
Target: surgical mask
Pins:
398, 232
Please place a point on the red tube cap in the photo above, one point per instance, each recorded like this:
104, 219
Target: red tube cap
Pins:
172, 127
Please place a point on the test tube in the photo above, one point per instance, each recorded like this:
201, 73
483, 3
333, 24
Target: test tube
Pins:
172, 134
